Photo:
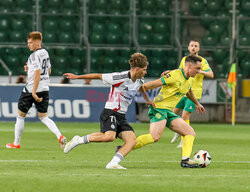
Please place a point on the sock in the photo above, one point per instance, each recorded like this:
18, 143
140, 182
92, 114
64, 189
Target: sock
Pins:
84, 139
117, 158
188, 122
143, 140
187, 146
19, 126
51, 125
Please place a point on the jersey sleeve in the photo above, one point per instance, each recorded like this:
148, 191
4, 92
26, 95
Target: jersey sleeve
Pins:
114, 78
205, 66
169, 78
35, 61
182, 63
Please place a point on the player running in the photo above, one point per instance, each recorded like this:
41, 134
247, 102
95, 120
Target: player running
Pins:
186, 104
36, 90
175, 85
113, 123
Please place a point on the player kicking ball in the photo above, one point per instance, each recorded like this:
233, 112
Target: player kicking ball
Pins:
113, 123
175, 85
36, 90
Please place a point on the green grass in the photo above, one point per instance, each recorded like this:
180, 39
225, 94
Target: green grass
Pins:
40, 165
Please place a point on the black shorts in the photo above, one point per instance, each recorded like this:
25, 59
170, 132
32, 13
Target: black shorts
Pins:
113, 121
26, 100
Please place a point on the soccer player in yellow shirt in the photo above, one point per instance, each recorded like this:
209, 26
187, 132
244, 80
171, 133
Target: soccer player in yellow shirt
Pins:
175, 85
186, 104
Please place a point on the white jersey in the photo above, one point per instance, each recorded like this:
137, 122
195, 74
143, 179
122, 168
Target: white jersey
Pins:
38, 60
122, 91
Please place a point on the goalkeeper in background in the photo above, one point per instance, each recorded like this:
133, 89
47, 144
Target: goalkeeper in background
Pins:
185, 103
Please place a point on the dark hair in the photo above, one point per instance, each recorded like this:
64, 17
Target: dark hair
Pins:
138, 60
195, 40
193, 59
35, 35
65, 80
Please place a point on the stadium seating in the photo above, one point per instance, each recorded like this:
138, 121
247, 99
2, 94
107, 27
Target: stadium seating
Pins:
225, 40
196, 7
214, 5
60, 25
209, 40
216, 28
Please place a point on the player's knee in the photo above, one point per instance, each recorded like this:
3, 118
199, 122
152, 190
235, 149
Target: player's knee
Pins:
133, 142
109, 138
192, 133
156, 138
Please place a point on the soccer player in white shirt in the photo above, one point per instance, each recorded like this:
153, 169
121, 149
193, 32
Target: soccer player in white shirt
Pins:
36, 90
124, 86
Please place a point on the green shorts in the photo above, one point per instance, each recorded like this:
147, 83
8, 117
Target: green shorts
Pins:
156, 115
186, 104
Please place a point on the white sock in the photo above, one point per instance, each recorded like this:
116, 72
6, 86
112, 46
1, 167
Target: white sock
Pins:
84, 139
117, 158
19, 126
51, 125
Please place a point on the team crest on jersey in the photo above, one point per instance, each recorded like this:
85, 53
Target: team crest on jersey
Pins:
158, 115
168, 75
112, 126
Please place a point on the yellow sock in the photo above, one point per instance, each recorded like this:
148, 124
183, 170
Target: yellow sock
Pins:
188, 122
187, 145
143, 140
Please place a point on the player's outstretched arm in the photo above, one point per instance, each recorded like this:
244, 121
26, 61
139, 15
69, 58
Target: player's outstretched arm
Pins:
86, 76
145, 96
165, 72
153, 84
199, 107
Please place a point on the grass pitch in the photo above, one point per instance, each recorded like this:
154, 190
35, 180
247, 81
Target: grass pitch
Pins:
40, 165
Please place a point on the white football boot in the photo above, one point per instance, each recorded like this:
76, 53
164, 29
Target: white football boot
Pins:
175, 138
114, 166
71, 144
180, 144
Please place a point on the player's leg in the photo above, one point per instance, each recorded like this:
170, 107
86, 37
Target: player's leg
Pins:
156, 129
24, 104
176, 135
108, 131
108, 136
177, 110
180, 126
52, 127
19, 126
186, 114
129, 139
42, 108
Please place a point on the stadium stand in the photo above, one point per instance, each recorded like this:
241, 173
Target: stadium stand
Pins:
112, 29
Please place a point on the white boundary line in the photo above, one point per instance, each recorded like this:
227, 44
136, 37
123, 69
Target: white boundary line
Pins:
86, 161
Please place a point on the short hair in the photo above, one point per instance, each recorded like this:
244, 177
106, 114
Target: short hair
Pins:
193, 59
138, 60
194, 40
35, 35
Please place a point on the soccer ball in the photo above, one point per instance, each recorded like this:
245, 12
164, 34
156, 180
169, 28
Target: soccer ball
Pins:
202, 157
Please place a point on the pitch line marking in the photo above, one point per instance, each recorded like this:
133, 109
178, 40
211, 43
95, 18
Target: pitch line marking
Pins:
86, 161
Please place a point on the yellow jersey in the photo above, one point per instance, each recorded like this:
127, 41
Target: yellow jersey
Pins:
198, 79
175, 86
